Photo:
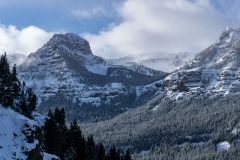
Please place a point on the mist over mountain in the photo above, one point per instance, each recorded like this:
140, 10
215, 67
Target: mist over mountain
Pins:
17, 59
162, 61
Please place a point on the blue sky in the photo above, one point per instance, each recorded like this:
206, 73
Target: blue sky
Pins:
117, 28
55, 15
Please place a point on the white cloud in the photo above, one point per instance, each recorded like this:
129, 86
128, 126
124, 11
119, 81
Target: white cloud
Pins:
24, 41
153, 25
89, 14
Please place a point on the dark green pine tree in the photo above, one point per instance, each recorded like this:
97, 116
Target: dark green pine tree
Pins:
50, 139
77, 142
6, 88
91, 148
100, 152
31, 100
23, 101
118, 155
59, 118
127, 155
55, 132
15, 82
69, 144
112, 154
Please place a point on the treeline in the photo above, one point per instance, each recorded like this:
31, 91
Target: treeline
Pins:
68, 142
14, 94
88, 112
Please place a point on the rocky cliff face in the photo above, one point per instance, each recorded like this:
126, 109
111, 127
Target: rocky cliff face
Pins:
65, 67
214, 71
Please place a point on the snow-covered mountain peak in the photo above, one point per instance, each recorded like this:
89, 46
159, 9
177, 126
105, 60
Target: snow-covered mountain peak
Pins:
71, 42
223, 54
214, 71
64, 50
226, 33
228, 36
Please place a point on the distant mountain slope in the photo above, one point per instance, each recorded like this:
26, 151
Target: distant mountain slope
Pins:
65, 68
162, 61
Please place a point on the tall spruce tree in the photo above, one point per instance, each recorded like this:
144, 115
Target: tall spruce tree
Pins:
15, 82
113, 154
31, 100
69, 143
91, 148
127, 155
6, 88
55, 131
100, 152
50, 138
78, 142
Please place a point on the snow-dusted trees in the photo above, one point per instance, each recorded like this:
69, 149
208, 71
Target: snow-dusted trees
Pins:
69, 142
6, 88
55, 132
12, 93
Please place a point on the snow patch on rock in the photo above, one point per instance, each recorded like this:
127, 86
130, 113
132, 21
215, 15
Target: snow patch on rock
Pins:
223, 146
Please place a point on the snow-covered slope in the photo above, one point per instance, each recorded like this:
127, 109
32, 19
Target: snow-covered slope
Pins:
65, 66
19, 136
162, 61
214, 71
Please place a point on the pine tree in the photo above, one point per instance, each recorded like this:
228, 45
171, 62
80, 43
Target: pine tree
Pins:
23, 101
118, 155
127, 155
77, 141
112, 154
100, 152
31, 100
91, 148
62, 132
50, 139
55, 132
69, 143
24, 108
15, 82
6, 88
59, 116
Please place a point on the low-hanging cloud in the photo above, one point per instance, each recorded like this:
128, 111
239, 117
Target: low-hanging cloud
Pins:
22, 41
172, 26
